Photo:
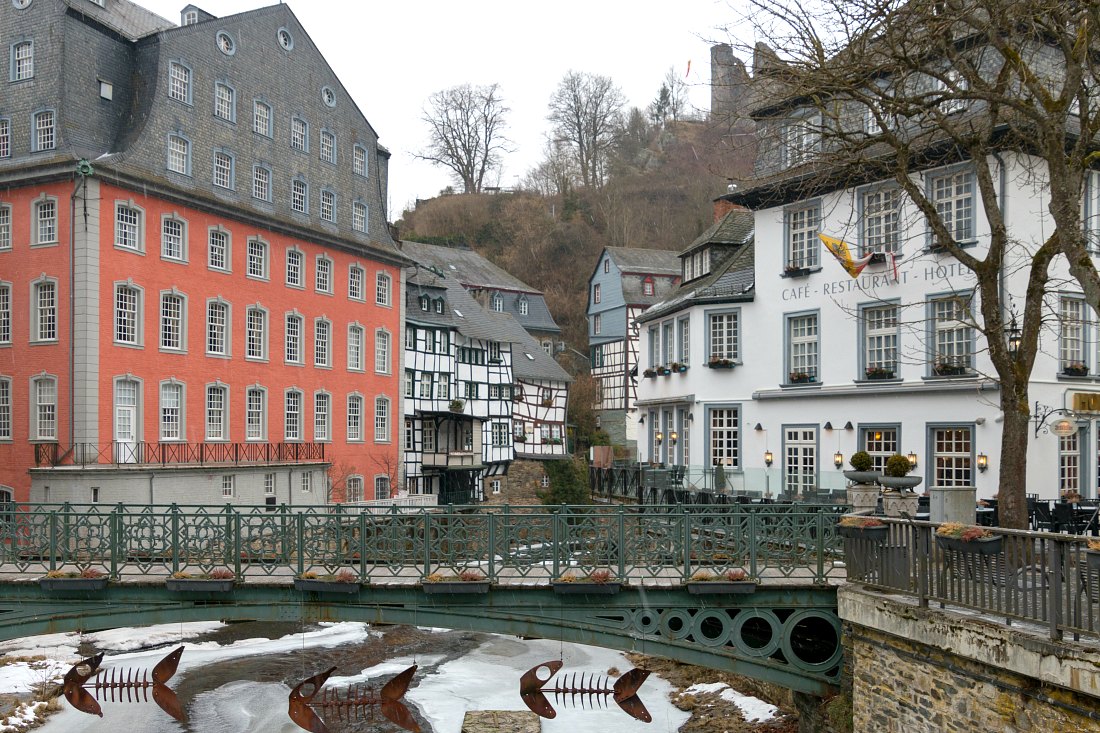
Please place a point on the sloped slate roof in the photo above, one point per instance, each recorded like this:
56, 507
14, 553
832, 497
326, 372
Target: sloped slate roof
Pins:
638, 260
735, 227
127, 18
529, 359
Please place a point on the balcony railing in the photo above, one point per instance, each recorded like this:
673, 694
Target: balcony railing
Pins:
453, 459
164, 454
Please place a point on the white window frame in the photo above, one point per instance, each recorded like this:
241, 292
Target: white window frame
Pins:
128, 321
22, 61
322, 343
322, 417
44, 218
724, 335
299, 196
44, 311
218, 329
382, 419
255, 413
1073, 329
179, 154
257, 259
262, 118
293, 325
292, 415
44, 408
171, 416
327, 146
295, 268
299, 134
954, 194
5, 409
261, 183
328, 205
880, 220
5, 227
129, 227
880, 323
224, 170
383, 291
357, 278
359, 216
225, 102
168, 240
179, 82
173, 323
5, 312
45, 130
952, 338
359, 164
322, 270
356, 345
382, 351
216, 413
212, 249
355, 418
803, 335
802, 225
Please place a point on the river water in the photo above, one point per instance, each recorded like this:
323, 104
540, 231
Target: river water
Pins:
236, 678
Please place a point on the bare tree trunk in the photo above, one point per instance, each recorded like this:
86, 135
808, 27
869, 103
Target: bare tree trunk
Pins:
1012, 494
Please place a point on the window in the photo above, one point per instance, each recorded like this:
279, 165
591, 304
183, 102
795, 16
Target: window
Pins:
171, 321
359, 216
285, 39
879, 224
524, 306
5, 314
269, 484
500, 434
295, 261
381, 420
880, 443
5, 408
953, 84
951, 460
354, 490
179, 155
799, 461
596, 293
654, 346
128, 227
299, 195
321, 416
725, 441
359, 160
355, 418
292, 415
307, 482
190, 17
328, 146
426, 381
496, 302
299, 134
228, 486
5, 137
802, 348
22, 61
44, 322
724, 333
45, 221
410, 384
880, 341
800, 140
381, 487
328, 96
44, 411
953, 195
293, 339
1071, 338
261, 183
381, 352
684, 327
225, 43
668, 344
217, 416
173, 239
255, 414
261, 118
218, 250
951, 336
323, 275
171, 411
328, 206
427, 439
382, 289
802, 243
179, 82
257, 258
223, 170
321, 332
255, 343
355, 282
647, 286
1069, 463
127, 314
217, 328
225, 102
355, 348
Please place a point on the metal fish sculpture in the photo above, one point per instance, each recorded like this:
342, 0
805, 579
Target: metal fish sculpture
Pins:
592, 690
124, 683
358, 702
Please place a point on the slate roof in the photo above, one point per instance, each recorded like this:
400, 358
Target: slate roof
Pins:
733, 280
477, 273
638, 260
126, 18
529, 359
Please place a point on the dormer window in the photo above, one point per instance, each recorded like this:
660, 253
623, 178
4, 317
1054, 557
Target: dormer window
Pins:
439, 305
496, 302
523, 306
647, 286
425, 303
190, 17
801, 140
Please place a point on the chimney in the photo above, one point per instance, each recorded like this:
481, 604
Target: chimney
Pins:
723, 206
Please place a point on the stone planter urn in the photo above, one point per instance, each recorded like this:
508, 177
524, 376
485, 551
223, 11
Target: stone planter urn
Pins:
896, 502
863, 497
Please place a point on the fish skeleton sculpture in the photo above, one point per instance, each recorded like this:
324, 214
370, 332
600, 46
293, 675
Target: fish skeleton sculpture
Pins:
591, 690
124, 683
356, 703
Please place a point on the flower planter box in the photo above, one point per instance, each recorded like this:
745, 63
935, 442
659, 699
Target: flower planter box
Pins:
663, 372
649, 374
988, 546
874, 534
465, 587
715, 587
200, 585
679, 368
948, 370
721, 364
72, 584
880, 375
1076, 371
802, 379
1092, 558
316, 585
796, 271
584, 587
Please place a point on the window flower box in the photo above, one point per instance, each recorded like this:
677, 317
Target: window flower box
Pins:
663, 371
945, 369
649, 373
793, 271
857, 527
731, 582
456, 405
344, 581
679, 368
879, 372
220, 580
467, 582
721, 363
547, 403
962, 538
801, 378
598, 582
553, 441
87, 580
519, 438
1076, 369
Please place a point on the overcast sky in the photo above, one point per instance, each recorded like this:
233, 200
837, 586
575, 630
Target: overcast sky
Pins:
391, 55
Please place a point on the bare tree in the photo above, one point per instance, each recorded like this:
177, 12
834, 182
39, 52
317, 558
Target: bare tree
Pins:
866, 90
556, 175
467, 132
586, 111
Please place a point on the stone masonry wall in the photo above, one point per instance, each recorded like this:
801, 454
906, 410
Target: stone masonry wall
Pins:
520, 486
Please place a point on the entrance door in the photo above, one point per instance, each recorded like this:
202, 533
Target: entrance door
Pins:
125, 441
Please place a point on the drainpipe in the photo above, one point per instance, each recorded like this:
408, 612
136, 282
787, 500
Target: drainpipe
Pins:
83, 170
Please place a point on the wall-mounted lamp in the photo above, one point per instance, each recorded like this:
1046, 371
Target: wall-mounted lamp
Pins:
912, 459
838, 459
848, 425
983, 462
829, 426
691, 417
758, 427
673, 437
641, 420
660, 437
768, 457
1013, 337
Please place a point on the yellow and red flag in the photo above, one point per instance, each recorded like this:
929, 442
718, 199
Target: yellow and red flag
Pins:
843, 253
